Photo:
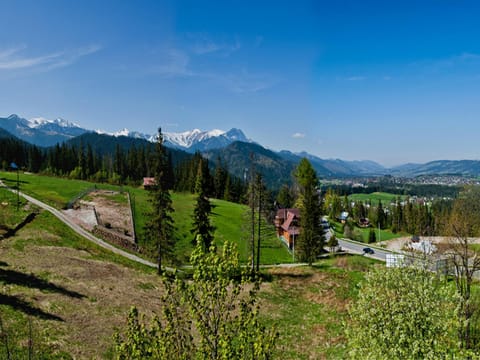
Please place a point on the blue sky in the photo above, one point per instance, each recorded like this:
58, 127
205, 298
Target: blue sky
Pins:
390, 81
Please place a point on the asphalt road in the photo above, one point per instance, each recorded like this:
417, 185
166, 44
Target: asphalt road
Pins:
355, 247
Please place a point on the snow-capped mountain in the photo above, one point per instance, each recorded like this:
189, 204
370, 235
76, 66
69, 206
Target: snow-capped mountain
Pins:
197, 140
41, 131
190, 141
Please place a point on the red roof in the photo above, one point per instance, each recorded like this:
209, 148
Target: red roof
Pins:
288, 215
283, 213
148, 181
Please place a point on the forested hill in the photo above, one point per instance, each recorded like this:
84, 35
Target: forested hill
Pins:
103, 144
237, 157
439, 167
12, 149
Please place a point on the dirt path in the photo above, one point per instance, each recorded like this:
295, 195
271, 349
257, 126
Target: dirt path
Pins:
79, 230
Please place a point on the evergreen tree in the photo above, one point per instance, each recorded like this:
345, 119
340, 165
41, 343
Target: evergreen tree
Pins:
202, 229
90, 162
371, 236
311, 241
160, 226
82, 162
380, 215
220, 179
227, 193
285, 197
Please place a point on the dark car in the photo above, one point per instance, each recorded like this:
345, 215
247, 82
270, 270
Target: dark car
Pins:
368, 250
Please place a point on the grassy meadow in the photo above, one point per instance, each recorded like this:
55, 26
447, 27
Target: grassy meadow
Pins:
381, 235
374, 198
54, 191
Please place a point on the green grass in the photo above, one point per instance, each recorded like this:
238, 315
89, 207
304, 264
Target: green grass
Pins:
52, 190
384, 234
9, 215
385, 198
231, 224
381, 235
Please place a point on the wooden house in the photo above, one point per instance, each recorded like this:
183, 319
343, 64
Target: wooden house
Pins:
287, 224
148, 182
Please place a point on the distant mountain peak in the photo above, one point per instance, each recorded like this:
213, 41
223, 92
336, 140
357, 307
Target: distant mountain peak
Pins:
199, 140
41, 131
42, 122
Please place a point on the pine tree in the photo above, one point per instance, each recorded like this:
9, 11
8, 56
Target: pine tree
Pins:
371, 236
202, 228
311, 240
160, 225
285, 197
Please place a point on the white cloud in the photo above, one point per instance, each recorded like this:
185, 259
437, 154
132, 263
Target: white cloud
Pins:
356, 78
189, 61
298, 135
176, 63
12, 58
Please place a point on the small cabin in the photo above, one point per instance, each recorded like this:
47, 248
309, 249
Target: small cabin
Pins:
148, 183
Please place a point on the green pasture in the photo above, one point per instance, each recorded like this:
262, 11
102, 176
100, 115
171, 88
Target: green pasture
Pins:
51, 190
381, 235
374, 198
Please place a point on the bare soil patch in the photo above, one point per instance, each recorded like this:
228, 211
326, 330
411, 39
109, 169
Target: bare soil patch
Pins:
106, 208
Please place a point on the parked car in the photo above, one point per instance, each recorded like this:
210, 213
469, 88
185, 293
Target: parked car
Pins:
368, 250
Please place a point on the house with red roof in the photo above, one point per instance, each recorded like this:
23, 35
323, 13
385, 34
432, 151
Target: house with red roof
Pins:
287, 225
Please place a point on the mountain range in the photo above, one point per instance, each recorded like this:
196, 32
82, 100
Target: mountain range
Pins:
232, 147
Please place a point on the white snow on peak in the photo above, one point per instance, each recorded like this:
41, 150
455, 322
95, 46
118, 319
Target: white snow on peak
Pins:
41, 121
188, 138
123, 132
126, 132
216, 132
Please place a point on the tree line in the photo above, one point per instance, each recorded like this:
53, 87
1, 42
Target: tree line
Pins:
123, 165
407, 215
